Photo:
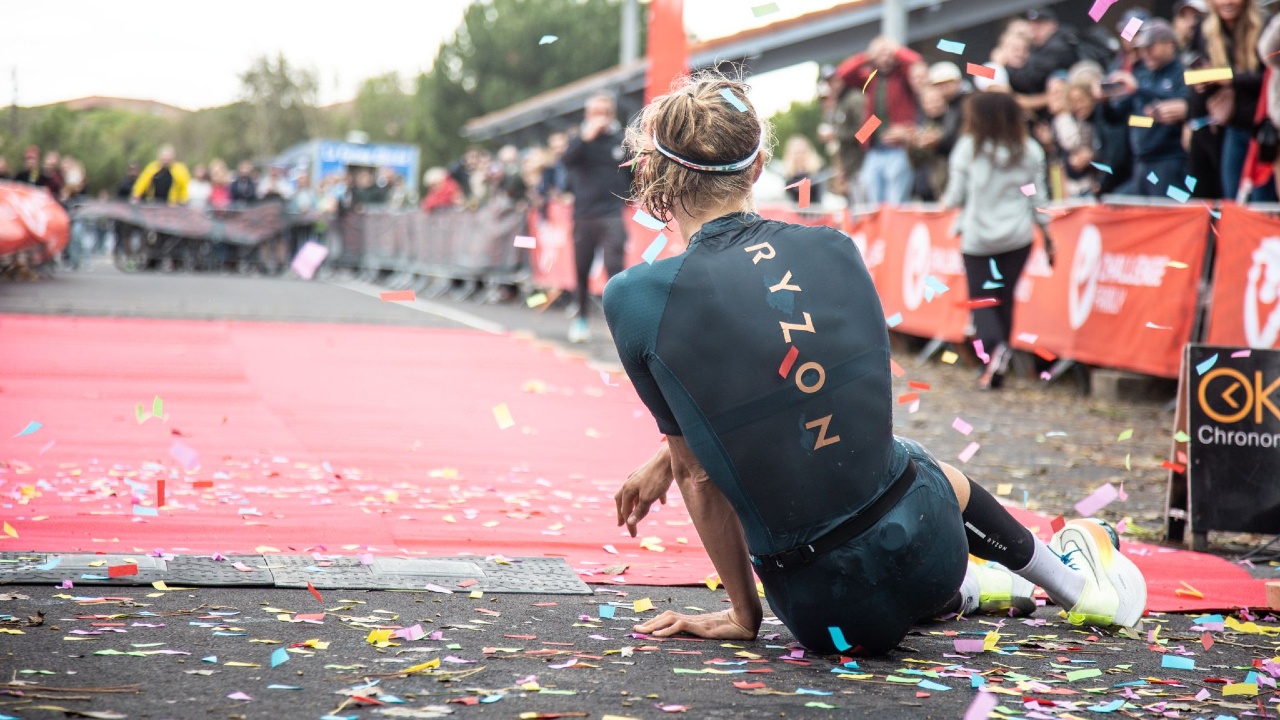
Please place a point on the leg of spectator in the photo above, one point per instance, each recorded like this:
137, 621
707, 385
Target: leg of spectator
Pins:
615, 245
1204, 161
1010, 265
977, 271
585, 240
1235, 146
870, 179
898, 177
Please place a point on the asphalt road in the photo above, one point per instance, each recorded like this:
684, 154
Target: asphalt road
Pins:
1046, 442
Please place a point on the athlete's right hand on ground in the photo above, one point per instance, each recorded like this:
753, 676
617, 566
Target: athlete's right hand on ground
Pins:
646, 485
713, 626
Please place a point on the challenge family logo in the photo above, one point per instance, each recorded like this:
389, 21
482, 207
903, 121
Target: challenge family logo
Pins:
1263, 288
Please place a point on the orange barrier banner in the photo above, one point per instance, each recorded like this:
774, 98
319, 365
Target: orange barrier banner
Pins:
1123, 290
1246, 281
552, 258
919, 273
30, 218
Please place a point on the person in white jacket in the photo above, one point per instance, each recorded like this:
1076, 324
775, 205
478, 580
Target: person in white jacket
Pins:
997, 180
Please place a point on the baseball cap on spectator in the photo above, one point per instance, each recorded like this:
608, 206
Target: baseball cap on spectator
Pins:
1046, 14
1154, 31
1199, 6
1129, 15
944, 71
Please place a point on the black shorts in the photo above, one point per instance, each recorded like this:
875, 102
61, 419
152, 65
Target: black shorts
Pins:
875, 587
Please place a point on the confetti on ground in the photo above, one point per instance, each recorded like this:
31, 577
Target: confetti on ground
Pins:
502, 414
398, 296
733, 100
951, 46
29, 429
868, 128
981, 71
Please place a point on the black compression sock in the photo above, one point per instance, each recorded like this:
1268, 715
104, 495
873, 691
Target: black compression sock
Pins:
993, 533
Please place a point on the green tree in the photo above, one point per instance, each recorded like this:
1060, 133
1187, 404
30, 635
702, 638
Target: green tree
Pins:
383, 108
495, 59
802, 118
281, 99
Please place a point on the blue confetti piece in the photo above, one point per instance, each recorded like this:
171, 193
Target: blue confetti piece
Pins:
280, 656
30, 428
936, 285
1197, 123
1177, 662
892, 321
1251, 678
1203, 619
547, 39
951, 46
607, 611
1104, 168
837, 638
210, 659
91, 576
1204, 367
144, 510
807, 691
991, 285
648, 221
486, 699
652, 252
1190, 182
931, 685
995, 271
50, 564
1153, 178
1178, 194
733, 100
977, 681
1112, 706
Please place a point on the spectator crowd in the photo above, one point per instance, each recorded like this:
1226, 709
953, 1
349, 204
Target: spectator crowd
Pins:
1109, 105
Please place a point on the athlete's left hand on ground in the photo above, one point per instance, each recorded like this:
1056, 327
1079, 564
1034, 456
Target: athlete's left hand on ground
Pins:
713, 626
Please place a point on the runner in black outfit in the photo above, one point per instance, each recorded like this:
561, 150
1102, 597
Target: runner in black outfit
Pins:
762, 353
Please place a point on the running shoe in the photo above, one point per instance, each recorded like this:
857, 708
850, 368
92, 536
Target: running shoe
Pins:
1115, 592
579, 332
999, 589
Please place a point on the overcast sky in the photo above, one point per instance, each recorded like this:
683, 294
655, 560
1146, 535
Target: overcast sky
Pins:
189, 54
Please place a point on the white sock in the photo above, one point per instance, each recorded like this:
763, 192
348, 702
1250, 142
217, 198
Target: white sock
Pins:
970, 593
1061, 583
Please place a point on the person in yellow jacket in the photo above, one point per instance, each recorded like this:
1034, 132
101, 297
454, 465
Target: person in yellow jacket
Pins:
163, 180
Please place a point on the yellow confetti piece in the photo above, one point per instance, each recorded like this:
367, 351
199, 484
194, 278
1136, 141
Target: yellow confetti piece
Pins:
11, 631
1004, 488
712, 581
1240, 689
1207, 75
8, 530
868, 82
489, 524
502, 414
428, 665
536, 300
1124, 435
950, 357
1141, 121
477, 594
241, 664
317, 644
760, 589
449, 519
265, 549
1188, 592
378, 636
642, 605
1177, 265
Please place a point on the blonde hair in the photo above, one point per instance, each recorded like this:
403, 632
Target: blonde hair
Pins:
697, 122
799, 157
1244, 37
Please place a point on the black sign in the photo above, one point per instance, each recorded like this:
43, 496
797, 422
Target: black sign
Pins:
1233, 443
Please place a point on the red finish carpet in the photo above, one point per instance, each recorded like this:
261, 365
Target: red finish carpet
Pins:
350, 438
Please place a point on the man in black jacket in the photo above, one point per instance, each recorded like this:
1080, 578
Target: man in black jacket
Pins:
599, 188
1052, 49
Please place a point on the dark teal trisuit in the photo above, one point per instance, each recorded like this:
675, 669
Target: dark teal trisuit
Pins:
764, 345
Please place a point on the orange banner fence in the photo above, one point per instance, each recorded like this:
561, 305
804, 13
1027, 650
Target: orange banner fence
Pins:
1125, 290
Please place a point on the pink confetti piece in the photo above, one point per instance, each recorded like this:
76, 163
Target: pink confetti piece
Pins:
1131, 29
1029, 189
188, 458
1241, 353
1099, 9
1097, 500
970, 450
525, 241
237, 695
969, 645
961, 426
983, 703
309, 259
